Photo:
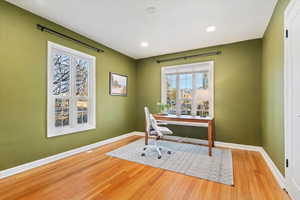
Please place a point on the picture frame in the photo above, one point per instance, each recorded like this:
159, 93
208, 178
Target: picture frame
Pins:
118, 84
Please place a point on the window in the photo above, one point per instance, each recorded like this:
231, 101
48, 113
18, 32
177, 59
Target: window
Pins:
188, 89
71, 91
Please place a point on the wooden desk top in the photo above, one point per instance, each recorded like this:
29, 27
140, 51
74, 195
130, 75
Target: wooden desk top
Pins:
183, 118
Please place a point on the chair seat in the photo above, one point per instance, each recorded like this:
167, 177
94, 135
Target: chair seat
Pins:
163, 130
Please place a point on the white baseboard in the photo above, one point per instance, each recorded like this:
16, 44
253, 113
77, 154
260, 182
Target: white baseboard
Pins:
139, 133
237, 146
27, 166
44, 161
277, 174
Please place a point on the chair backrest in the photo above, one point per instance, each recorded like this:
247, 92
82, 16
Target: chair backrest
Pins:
147, 120
151, 124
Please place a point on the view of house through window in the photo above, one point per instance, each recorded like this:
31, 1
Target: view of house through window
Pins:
188, 89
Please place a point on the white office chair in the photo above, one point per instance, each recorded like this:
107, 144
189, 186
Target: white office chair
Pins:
153, 129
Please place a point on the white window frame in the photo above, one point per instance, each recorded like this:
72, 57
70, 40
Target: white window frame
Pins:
202, 66
73, 127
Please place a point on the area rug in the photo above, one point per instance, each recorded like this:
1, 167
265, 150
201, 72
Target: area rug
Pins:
188, 159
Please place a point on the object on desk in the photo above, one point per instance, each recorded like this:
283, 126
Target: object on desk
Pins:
153, 129
163, 108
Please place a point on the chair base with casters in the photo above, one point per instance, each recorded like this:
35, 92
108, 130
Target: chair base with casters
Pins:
156, 148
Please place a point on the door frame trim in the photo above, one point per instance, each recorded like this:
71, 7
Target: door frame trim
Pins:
287, 89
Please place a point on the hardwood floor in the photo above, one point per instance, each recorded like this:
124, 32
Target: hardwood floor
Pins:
97, 176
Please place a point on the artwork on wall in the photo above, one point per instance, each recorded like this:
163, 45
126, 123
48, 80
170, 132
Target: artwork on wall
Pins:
118, 84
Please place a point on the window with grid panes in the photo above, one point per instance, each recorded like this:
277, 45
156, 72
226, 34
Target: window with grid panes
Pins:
71, 91
188, 89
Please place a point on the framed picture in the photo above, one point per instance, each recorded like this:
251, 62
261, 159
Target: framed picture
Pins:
118, 84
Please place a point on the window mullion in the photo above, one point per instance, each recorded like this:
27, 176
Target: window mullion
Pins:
194, 106
164, 86
89, 100
73, 111
73, 99
210, 85
178, 109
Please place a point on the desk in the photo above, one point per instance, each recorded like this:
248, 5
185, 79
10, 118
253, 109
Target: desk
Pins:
190, 121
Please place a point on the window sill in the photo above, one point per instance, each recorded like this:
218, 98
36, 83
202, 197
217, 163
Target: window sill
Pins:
60, 132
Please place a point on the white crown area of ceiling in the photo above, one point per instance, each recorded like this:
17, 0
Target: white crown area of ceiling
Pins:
166, 26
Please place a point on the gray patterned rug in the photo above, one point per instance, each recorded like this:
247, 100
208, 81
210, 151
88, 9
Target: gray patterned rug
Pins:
188, 159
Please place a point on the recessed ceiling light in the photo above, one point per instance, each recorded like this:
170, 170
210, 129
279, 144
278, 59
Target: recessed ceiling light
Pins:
151, 10
144, 44
211, 29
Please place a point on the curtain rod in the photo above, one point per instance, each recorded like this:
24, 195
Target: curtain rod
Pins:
43, 28
191, 56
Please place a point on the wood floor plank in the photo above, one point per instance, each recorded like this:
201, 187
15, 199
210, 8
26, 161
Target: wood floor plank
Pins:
96, 176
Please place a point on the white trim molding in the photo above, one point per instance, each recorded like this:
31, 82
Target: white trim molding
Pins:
275, 171
291, 12
27, 166
237, 146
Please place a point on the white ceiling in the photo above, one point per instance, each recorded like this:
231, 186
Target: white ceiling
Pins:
175, 25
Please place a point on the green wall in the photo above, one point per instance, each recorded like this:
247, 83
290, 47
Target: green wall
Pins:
272, 86
248, 90
23, 54
237, 91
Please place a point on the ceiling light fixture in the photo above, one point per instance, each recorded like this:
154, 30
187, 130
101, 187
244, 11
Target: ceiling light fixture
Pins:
211, 29
151, 10
144, 44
